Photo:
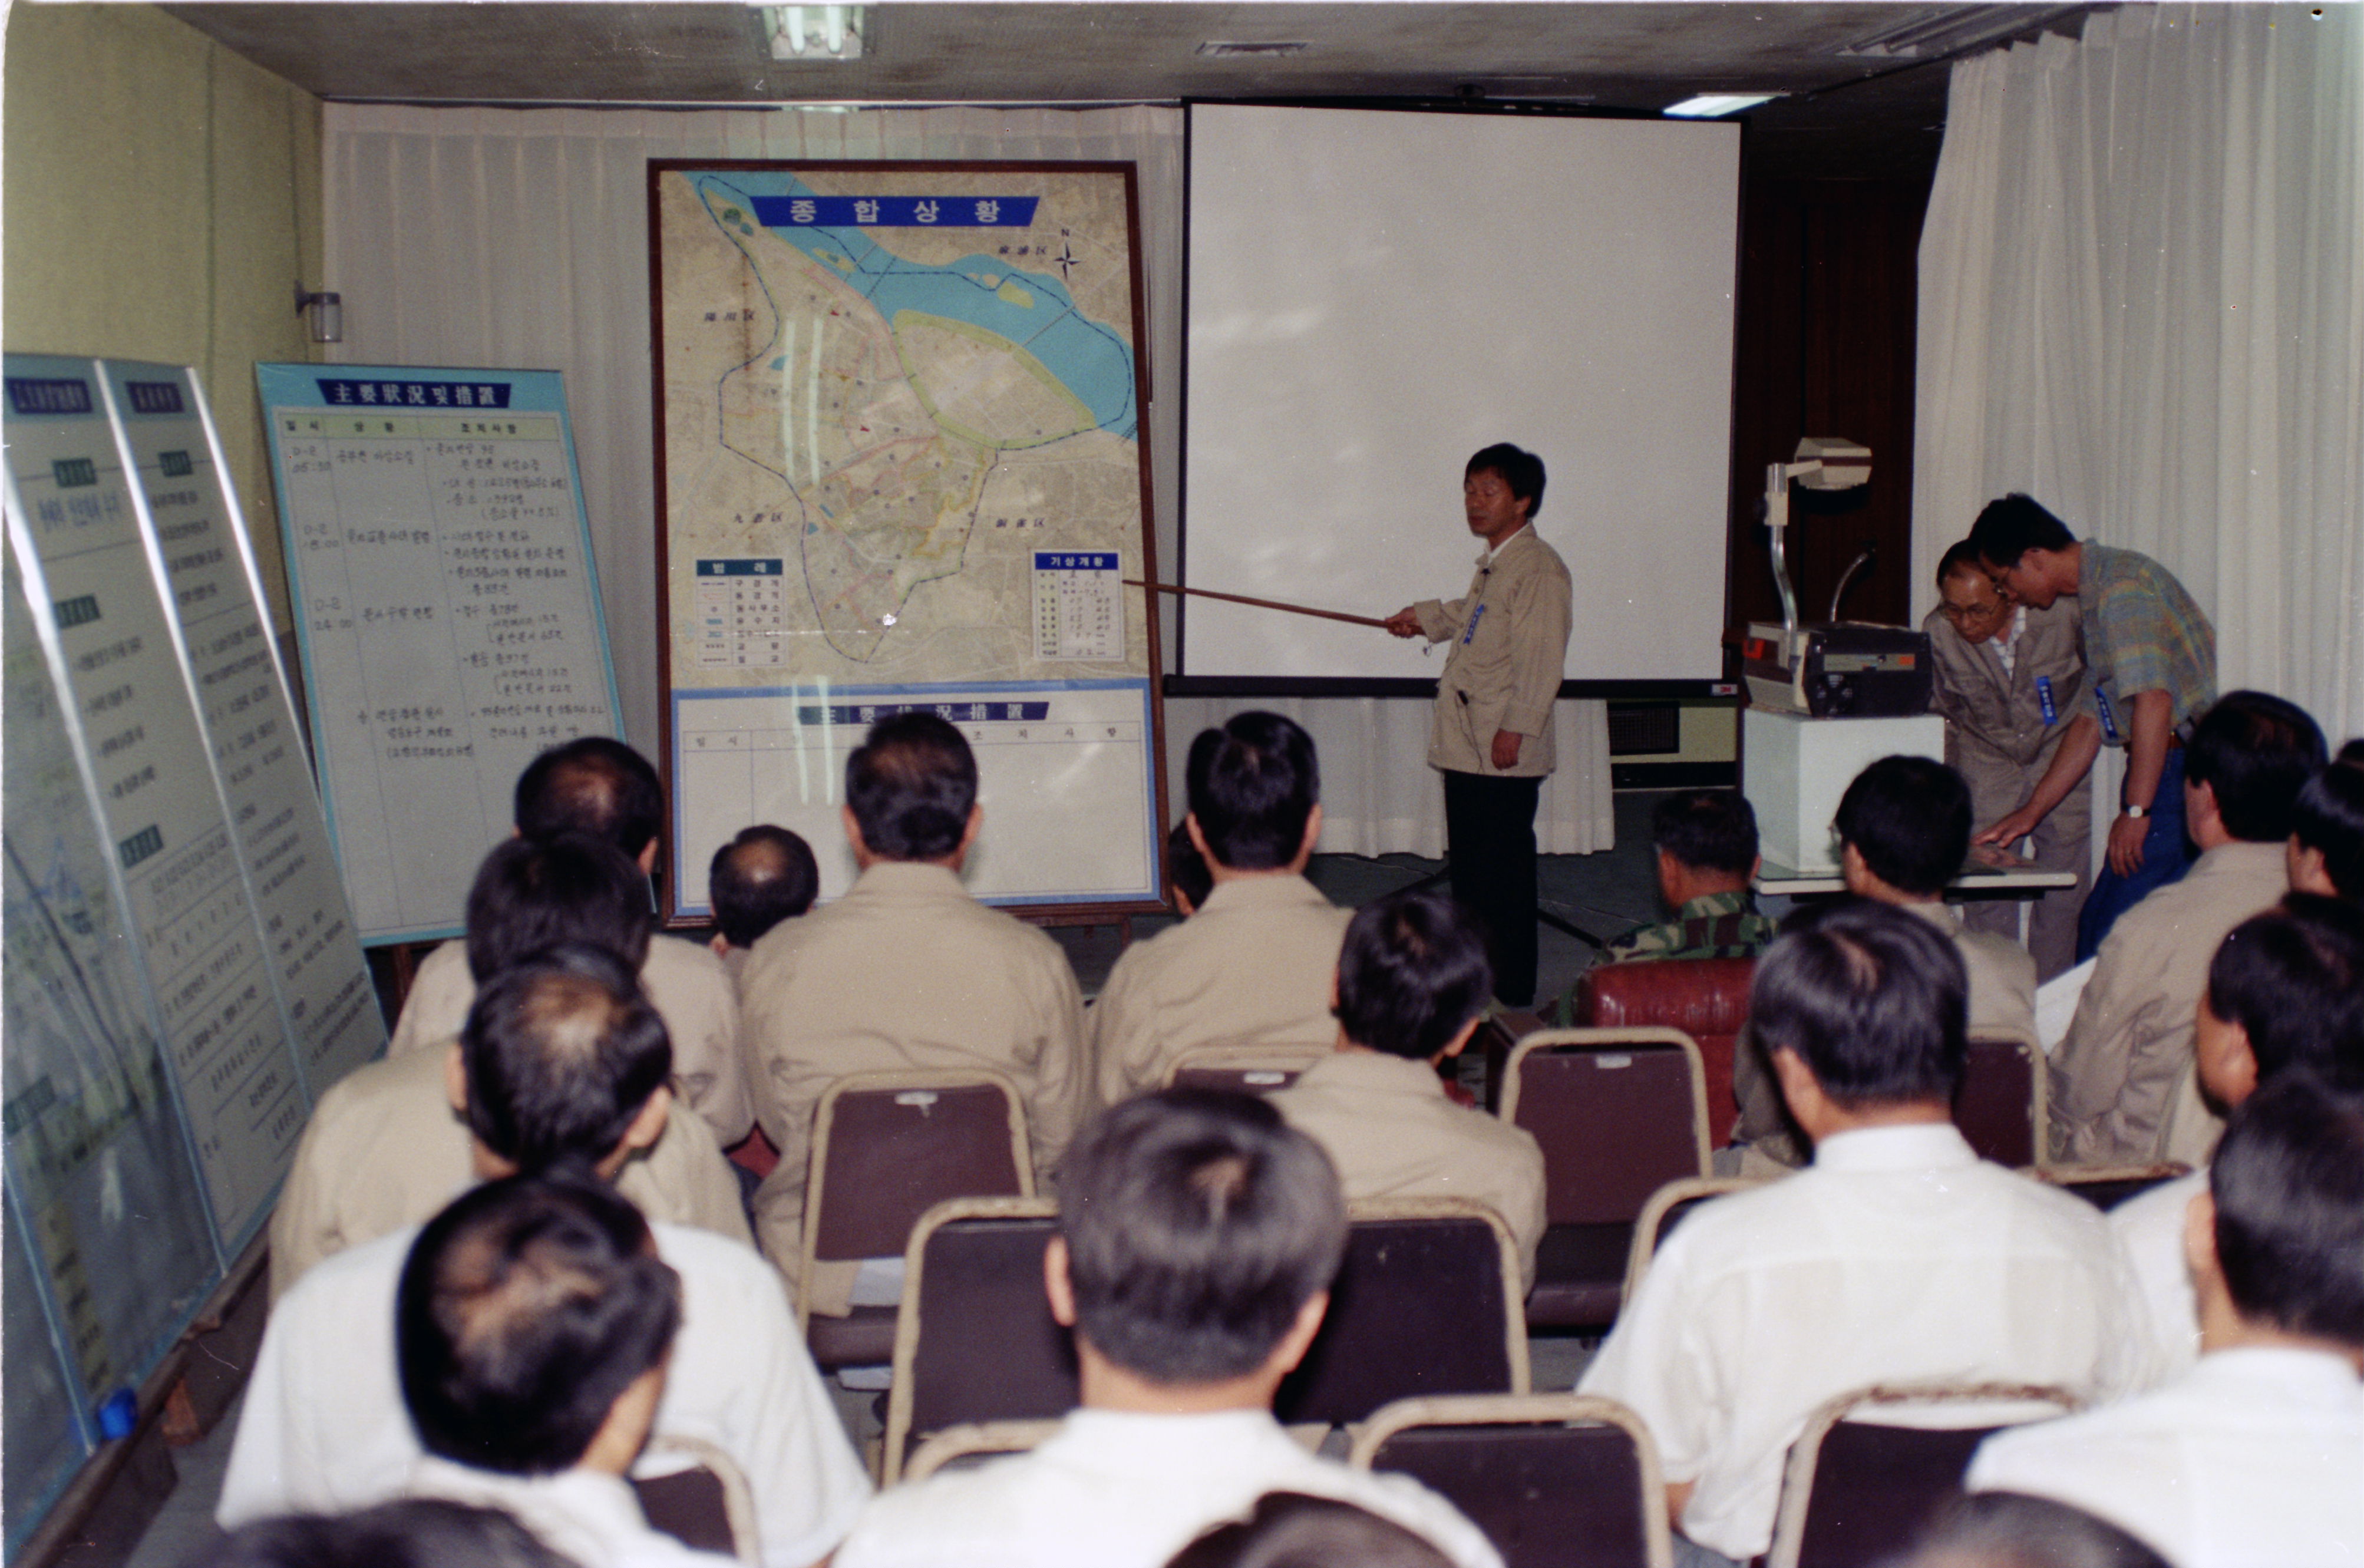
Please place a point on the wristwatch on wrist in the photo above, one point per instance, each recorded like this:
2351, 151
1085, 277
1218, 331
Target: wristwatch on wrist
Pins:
2136, 812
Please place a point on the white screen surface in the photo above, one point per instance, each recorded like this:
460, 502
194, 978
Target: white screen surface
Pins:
1374, 296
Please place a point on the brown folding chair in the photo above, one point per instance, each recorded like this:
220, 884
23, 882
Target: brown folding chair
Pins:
1243, 1067
1426, 1302
2106, 1186
707, 1506
2000, 1106
1707, 998
974, 1441
887, 1148
1555, 1480
1667, 1207
975, 1341
1856, 1491
1620, 1113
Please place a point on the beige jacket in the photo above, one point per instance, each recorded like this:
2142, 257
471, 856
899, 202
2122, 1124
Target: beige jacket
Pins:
1993, 713
1255, 965
906, 972
1389, 1129
2117, 1074
1504, 670
685, 981
384, 1150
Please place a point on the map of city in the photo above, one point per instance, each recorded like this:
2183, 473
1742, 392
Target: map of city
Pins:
890, 387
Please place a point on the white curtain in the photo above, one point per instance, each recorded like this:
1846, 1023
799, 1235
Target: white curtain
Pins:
2142, 303
519, 239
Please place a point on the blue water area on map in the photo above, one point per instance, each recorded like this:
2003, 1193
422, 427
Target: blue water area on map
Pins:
1090, 359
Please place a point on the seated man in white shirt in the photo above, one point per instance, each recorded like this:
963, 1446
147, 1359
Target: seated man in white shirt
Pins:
1197, 1236
2255, 1458
390, 1144
2285, 992
531, 1324
1412, 983
1897, 1257
573, 1059
1253, 962
760, 878
602, 787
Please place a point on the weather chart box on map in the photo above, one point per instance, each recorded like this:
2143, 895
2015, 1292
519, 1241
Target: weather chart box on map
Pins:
900, 412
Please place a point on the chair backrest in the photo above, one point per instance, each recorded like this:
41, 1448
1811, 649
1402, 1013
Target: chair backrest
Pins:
2106, 1186
1426, 1302
1707, 998
1244, 1068
1620, 1113
1555, 1480
2000, 1106
1856, 1490
1667, 1207
705, 1506
976, 1341
955, 1443
888, 1146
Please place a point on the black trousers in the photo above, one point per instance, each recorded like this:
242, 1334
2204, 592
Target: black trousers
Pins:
1489, 836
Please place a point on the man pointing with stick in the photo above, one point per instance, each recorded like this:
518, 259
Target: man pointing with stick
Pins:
1492, 735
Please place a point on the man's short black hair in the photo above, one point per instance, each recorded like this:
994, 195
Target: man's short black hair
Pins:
1960, 558
534, 893
2255, 752
1909, 818
1871, 997
1707, 830
410, 1532
1252, 785
2288, 1178
2328, 817
1198, 1225
1411, 974
1185, 868
911, 783
762, 877
2010, 527
1521, 471
1295, 1529
592, 784
561, 1051
2013, 1529
525, 1310
2293, 978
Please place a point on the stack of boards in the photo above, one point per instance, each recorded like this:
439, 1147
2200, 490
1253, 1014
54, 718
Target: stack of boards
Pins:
182, 974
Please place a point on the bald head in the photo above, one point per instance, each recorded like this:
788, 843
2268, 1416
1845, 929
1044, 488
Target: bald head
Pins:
562, 1055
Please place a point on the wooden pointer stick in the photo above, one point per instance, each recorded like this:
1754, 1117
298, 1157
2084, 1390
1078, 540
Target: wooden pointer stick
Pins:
1260, 603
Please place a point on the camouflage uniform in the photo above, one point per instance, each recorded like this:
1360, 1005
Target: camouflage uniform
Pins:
1714, 925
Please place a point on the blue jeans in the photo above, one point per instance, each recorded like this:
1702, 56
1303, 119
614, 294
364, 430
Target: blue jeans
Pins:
2166, 856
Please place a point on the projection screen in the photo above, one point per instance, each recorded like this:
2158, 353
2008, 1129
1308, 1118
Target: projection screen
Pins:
1375, 294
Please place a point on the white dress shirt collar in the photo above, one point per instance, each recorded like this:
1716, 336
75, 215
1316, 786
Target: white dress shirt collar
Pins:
1495, 553
1915, 1146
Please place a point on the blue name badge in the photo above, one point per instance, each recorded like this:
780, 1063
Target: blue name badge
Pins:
2044, 699
2109, 724
1471, 630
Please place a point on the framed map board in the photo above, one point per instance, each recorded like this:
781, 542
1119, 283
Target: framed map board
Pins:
439, 560
900, 465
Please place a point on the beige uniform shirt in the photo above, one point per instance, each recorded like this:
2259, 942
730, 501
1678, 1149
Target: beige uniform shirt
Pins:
686, 984
2119, 1072
906, 972
1510, 647
1256, 965
1389, 1126
384, 1150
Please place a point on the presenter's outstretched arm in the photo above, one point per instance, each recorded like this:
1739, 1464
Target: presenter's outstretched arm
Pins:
2078, 746
1405, 622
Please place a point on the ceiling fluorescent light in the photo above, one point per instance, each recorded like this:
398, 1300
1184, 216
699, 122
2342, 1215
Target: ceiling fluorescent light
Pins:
1217, 48
1708, 105
1941, 30
814, 32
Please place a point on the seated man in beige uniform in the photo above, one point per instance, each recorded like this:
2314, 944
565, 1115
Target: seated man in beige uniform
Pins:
391, 1143
1255, 964
2010, 681
602, 787
2123, 1087
1412, 983
907, 973
762, 877
1904, 829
